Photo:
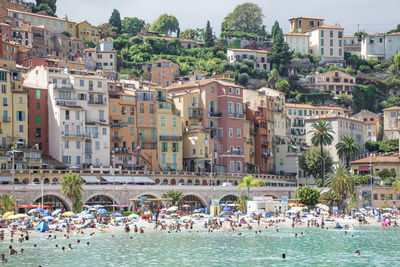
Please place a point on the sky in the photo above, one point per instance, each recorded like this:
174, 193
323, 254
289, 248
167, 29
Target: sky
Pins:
372, 16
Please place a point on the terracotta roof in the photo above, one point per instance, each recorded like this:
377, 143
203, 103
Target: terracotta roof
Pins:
247, 50
297, 34
370, 122
391, 108
326, 107
38, 15
377, 159
337, 27
200, 83
306, 18
292, 105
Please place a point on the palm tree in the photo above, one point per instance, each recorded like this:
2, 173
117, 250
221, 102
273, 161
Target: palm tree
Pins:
322, 136
330, 198
348, 148
7, 203
249, 181
242, 203
396, 185
72, 188
342, 182
175, 195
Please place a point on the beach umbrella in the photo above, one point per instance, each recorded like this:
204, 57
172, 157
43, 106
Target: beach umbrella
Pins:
196, 211
239, 212
222, 213
20, 216
202, 209
46, 214
179, 212
84, 212
48, 218
336, 210
292, 205
102, 212
12, 217
227, 209
164, 209
185, 206
116, 214
58, 211
68, 214
15, 224
186, 218
98, 207
27, 206
172, 209
7, 214
325, 213
88, 216
133, 216
354, 209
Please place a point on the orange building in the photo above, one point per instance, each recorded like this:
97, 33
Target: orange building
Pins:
163, 72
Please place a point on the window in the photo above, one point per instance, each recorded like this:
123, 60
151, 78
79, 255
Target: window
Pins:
163, 158
78, 144
164, 147
37, 119
142, 108
21, 128
131, 120
132, 131
97, 144
4, 101
340, 43
175, 147
67, 159
220, 132
393, 114
340, 34
331, 34
174, 158
78, 160
151, 108
38, 105
238, 166
174, 122
232, 166
77, 115
20, 115
322, 33
322, 42
141, 119
37, 94
114, 108
331, 42
239, 133
104, 131
66, 144
230, 132
162, 120
67, 115
322, 51
99, 84
82, 83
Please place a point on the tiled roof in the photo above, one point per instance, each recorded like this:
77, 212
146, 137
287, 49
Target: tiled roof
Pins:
38, 15
377, 159
391, 108
247, 50
201, 83
306, 18
297, 34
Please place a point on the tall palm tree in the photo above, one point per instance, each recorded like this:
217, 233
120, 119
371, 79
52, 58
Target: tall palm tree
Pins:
396, 185
175, 195
348, 148
242, 203
7, 203
249, 181
322, 136
72, 188
342, 182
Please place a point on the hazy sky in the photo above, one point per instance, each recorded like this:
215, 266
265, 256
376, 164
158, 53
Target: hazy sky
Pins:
372, 15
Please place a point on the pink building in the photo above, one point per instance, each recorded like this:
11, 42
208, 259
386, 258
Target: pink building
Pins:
213, 109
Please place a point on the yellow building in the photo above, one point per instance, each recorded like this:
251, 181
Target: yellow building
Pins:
169, 130
303, 24
87, 32
71, 28
14, 113
249, 133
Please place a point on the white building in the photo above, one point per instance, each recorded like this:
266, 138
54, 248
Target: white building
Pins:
298, 42
104, 55
380, 46
259, 57
341, 125
327, 41
79, 131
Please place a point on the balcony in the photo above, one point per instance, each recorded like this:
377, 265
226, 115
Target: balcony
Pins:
119, 125
96, 102
77, 135
266, 154
88, 150
253, 131
195, 115
235, 152
236, 115
92, 135
170, 138
121, 150
117, 138
64, 87
148, 139
215, 114
6, 119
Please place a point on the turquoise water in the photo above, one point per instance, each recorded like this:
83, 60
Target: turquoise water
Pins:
316, 248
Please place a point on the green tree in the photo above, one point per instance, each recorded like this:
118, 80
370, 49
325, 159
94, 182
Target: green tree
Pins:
8, 203
322, 136
330, 198
386, 173
396, 61
115, 20
247, 17
282, 85
90, 44
208, 35
243, 79
165, 24
132, 25
71, 185
43, 7
51, 3
280, 56
394, 30
273, 77
308, 196
347, 148
242, 203
396, 186
249, 181
342, 182
360, 35
189, 34
311, 162
275, 30
175, 195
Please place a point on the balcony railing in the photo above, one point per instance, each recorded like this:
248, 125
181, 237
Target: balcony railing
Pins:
149, 139
96, 102
196, 116
6, 119
236, 115
121, 150
92, 135
64, 87
170, 138
88, 150
117, 138
266, 154
215, 114
73, 134
118, 125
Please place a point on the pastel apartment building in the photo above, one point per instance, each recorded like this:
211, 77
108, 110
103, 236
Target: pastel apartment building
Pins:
87, 32
163, 72
78, 116
104, 56
327, 41
380, 46
391, 125
212, 114
298, 42
259, 57
303, 24
373, 125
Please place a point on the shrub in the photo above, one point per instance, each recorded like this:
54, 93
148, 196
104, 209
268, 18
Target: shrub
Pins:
243, 79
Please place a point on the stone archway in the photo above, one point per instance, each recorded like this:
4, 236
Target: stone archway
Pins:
56, 201
196, 201
104, 195
230, 198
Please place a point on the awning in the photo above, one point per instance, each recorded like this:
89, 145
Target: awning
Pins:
4, 179
129, 179
361, 169
90, 179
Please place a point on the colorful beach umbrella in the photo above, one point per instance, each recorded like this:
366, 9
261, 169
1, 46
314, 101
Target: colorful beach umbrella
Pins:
7, 214
68, 214
12, 217
179, 212
174, 208
133, 216
185, 206
58, 211
22, 216
48, 218
102, 212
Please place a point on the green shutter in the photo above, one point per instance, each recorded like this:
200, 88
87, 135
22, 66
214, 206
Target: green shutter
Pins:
37, 94
38, 119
